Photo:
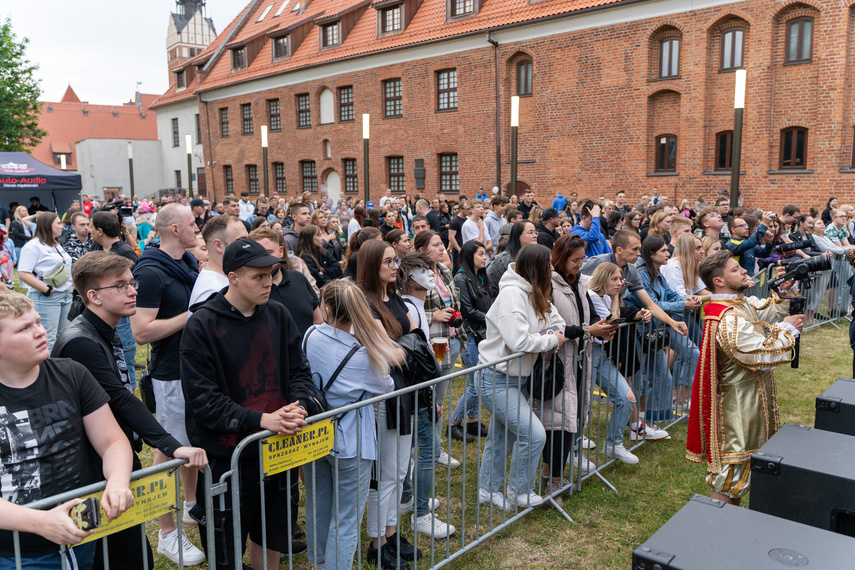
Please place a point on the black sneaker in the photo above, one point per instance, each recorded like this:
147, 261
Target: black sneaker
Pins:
405, 549
458, 434
297, 547
388, 558
476, 428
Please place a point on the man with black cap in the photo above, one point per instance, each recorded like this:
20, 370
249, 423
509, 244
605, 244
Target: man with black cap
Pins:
197, 206
546, 234
242, 371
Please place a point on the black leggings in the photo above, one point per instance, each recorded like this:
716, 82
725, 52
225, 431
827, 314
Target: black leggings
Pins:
558, 446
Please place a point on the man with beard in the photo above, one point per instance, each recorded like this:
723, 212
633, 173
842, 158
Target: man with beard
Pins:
734, 401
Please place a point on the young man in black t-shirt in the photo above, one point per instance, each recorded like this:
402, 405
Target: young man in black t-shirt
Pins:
455, 231
51, 411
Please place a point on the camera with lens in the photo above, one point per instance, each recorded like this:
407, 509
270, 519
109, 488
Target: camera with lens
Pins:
122, 210
456, 320
786, 249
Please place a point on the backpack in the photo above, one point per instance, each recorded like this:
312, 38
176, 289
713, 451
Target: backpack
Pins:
325, 387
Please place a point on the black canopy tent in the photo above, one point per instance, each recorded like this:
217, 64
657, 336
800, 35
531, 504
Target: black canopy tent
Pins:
22, 177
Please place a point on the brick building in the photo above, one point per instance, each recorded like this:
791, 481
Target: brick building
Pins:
616, 95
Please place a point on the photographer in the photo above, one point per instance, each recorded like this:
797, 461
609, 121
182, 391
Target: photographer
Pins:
745, 339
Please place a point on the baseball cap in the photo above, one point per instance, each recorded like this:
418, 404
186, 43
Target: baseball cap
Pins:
197, 202
548, 214
247, 253
370, 204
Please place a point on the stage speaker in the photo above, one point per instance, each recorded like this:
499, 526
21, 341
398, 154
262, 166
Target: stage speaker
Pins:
808, 476
835, 408
709, 534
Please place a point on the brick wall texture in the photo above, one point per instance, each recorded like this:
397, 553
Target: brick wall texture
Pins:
597, 106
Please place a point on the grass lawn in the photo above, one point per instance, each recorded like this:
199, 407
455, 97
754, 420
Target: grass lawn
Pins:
608, 526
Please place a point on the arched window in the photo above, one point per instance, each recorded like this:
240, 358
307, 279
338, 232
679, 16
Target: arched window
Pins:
732, 48
669, 57
524, 78
666, 153
327, 106
799, 40
723, 150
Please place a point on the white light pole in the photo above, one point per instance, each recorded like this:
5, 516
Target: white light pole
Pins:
736, 148
515, 124
264, 158
365, 137
189, 140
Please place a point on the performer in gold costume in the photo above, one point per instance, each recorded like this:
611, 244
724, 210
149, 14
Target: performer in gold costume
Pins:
734, 400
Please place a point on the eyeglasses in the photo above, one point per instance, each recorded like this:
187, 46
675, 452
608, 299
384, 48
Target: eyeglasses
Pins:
392, 263
581, 260
530, 233
120, 287
741, 226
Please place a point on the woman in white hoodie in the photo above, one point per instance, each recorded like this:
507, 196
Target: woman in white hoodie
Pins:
522, 319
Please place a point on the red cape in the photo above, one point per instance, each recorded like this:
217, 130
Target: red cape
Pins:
703, 439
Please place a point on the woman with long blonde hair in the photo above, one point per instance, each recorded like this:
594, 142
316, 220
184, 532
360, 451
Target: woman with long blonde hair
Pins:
337, 485
660, 224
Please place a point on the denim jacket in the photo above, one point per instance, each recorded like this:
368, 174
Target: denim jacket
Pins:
669, 300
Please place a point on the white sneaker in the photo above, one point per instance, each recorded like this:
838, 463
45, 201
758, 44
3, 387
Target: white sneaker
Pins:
525, 500
168, 546
587, 465
432, 526
587, 443
682, 409
186, 518
447, 460
648, 432
621, 453
407, 507
497, 498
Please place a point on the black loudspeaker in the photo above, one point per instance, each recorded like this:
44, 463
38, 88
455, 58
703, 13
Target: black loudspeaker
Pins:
808, 476
835, 408
706, 533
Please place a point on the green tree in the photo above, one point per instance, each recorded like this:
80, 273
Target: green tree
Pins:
19, 94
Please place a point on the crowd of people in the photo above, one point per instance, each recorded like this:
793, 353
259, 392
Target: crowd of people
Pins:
262, 312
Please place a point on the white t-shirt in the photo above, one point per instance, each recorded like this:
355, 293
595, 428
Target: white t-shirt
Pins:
470, 231
673, 274
41, 259
352, 227
385, 199
207, 283
416, 307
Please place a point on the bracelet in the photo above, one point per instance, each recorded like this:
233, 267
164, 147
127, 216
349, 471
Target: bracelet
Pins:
586, 335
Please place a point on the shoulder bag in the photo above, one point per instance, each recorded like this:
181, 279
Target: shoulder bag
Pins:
547, 377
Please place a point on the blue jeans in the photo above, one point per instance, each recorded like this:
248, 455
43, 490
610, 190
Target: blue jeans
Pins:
427, 438
468, 402
130, 346
688, 355
653, 381
335, 504
510, 412
607, 376
53, 311
84, 554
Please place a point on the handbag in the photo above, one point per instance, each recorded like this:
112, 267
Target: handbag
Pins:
58, 276
547, 377
655, 339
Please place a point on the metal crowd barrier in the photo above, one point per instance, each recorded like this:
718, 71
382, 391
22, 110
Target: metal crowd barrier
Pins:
156, 490
517, 433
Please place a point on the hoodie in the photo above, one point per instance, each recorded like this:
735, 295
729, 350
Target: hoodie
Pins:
512, 326
291, 238
235, 368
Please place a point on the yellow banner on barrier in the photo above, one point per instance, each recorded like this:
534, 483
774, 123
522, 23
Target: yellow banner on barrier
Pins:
283, 452
153, 496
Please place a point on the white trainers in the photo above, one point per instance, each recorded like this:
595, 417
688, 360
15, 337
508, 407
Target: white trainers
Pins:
647, 431
186, 518
621, 453
587, 443
447, 460
408, 506
524, 500
497, 498
168, 546
432, 526
587, 465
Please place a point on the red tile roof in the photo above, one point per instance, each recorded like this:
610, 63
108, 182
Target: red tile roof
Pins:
66, 124
427, 25
70, 96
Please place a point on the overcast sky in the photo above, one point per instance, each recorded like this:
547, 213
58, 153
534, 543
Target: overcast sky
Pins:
102, 48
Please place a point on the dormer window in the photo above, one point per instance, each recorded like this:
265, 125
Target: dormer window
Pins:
462, 8
280, 47
179, 80
330, 35
239, 58
391, 19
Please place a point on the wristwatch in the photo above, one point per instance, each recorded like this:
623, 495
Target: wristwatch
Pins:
49, 291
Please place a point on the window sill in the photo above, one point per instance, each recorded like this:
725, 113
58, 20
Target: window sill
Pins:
523, 96
798, 62
346, 121
721, 172
393, 116
305, 127
246, 134
661, 174
279, 130
671, 78
790, 171
730, 69
847, 170
454, 110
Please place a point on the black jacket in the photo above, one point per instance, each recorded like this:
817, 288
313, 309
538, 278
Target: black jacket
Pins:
235, 368
545, 236
473, 306
329, 270
16, 232
87, 340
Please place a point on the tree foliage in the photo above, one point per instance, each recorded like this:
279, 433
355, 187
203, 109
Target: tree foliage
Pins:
19, 94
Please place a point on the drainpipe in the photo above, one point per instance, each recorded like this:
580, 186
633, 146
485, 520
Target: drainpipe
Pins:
495, 45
